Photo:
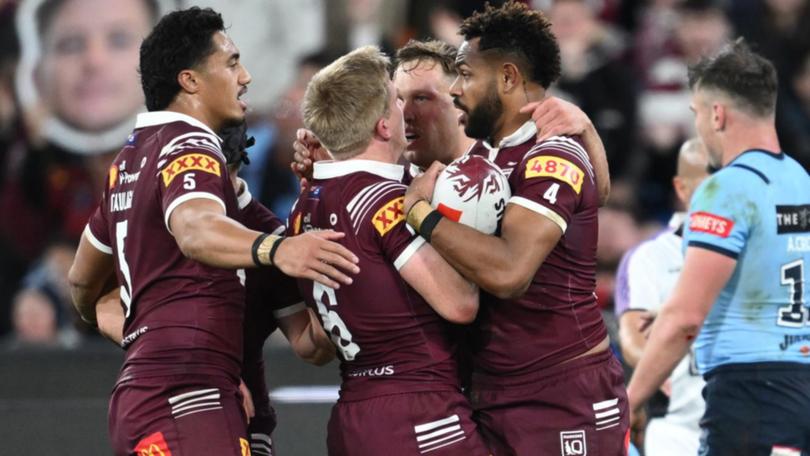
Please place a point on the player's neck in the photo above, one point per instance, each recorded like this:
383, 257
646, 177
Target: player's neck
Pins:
463, 144
192, 108
512, 118
753, 135
378, 151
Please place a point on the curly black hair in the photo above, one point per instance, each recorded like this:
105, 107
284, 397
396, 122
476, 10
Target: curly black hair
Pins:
181, 40
740, 73
235, 142
513, 30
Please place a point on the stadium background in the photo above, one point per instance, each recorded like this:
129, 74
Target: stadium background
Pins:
64, 112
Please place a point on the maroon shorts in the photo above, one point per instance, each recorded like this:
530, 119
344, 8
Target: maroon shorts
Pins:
183, 415
574, 409
408, 424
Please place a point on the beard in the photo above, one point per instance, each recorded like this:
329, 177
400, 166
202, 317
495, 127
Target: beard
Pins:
481, 120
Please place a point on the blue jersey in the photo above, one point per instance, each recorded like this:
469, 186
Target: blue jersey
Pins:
757, 211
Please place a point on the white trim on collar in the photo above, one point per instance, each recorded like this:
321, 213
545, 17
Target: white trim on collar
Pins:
150, 119
520, 136
245, 197
331, 169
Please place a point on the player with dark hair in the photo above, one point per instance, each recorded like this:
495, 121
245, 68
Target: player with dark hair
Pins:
272, 302
544, 380
400, 392
742, 292
423, 73
167, 224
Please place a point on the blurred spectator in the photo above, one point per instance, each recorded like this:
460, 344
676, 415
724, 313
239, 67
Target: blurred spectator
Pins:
355, 23
779, 31
618, 232
595, 78
35, 323
79, 86
698, 28
12, 267
793, 114
272, 36
269, 176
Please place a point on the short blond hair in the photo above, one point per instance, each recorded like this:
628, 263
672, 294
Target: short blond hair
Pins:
344, 101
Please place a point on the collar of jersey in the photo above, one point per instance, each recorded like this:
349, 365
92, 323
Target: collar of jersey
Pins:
520, 136
150, 119
331, 169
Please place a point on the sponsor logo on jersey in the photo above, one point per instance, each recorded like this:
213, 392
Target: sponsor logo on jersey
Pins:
793, 219
572, 443
244, 445
189, 162
373, 371
389, 215
296, 226
705, 222
558, 168
153, 445
792, 340
113, 175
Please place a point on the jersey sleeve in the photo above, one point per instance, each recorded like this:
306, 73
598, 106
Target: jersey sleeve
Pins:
193, 168
551, 180
384, 225
97, 232
722, 211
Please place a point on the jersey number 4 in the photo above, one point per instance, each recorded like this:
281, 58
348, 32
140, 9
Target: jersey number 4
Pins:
332, 323
794, 315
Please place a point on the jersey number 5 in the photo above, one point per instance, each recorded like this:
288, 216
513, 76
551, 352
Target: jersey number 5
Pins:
332, 323
126, 288
794, 315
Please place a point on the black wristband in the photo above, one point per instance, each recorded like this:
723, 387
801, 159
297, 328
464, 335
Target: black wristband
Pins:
254, 250
274, 248
429, 224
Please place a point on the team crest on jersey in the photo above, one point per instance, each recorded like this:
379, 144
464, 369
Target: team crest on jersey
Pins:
705, 222
389, 215
113, 175
189, 162
153, 445
558, 168
572, 443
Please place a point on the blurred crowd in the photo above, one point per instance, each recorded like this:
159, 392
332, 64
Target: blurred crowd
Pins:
69, 91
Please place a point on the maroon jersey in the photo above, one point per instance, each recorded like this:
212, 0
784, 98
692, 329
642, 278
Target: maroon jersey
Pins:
557, 318
181, 316
269, 295
388, 338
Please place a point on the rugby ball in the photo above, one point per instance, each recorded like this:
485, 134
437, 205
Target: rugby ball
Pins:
474, 191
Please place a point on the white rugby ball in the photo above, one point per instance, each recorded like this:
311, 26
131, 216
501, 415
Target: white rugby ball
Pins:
474, 191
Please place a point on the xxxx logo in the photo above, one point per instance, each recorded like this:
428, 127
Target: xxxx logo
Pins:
189, 162
389, 215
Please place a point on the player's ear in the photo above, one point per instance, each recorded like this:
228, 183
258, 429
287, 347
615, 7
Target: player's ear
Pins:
189, 81
719, 116
383, 128
509, 77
